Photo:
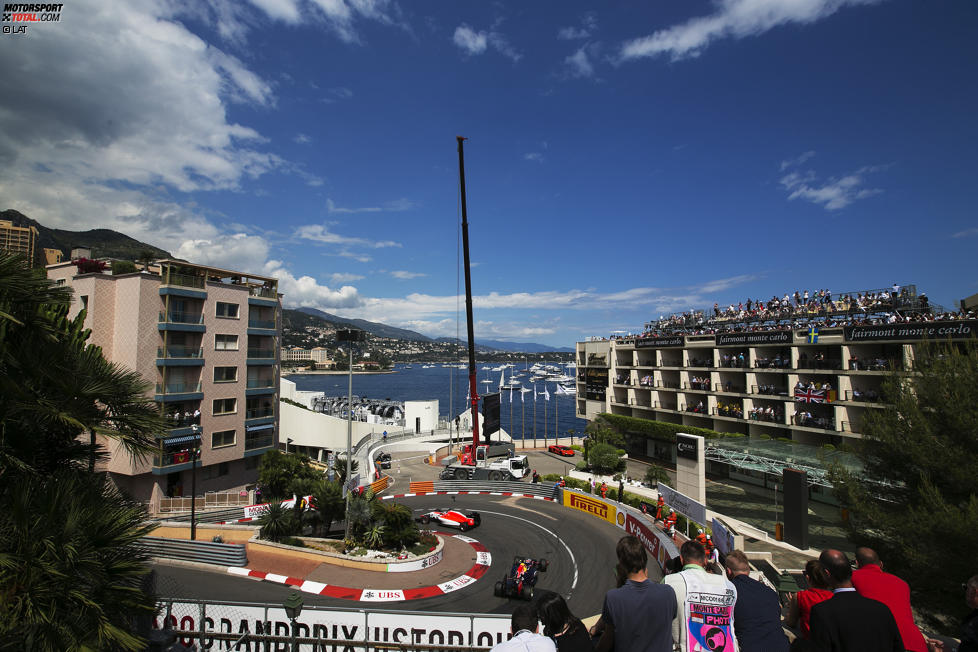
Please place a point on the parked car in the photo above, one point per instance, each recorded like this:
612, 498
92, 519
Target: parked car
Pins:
559, 449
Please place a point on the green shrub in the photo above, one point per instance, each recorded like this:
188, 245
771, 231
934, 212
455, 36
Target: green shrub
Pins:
123, 267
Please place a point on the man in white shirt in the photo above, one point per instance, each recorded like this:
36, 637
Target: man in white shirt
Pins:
705, 614
524, 626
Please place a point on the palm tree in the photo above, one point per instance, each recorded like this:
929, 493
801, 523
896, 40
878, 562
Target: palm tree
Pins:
71, 567
327, 497
339, 468
374, 535
277, 522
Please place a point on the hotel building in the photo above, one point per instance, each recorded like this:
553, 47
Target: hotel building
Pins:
757, 383
19, 239
208, 341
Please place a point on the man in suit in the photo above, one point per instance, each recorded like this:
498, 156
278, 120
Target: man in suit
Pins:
871, 582
848, 622
757, 613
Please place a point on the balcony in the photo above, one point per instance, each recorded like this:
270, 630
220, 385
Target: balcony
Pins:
259, 440
179, 356
171, 392
181, 321
260, 386
261, 356
262, 327
258, 413
184, 280
262, 296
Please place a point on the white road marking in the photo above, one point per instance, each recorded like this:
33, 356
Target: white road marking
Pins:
554, 535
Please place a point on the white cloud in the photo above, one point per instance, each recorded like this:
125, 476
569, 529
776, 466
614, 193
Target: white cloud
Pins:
236, 251
966, 233
732, 19
359, 257
469, 40
533, 156
337, 94
321, 233
285, 10
305, 291
579, 63
302, 139
395, 206
473, 42
344, 277
834, 193
401, 274
798, 160
589, 23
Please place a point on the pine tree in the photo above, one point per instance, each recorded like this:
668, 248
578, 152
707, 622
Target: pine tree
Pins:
914, 500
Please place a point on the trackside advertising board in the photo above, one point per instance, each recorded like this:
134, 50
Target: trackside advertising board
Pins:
658, 545
592, 506
691, 509
348, 630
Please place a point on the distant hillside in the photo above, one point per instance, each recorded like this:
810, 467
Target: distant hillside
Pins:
374, 328
104, 243
513, 347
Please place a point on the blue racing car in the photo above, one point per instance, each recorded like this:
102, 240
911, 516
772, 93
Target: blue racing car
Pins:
522, 578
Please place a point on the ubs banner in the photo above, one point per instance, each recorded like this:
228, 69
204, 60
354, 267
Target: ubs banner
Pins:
592, 506
933, 330
356, 630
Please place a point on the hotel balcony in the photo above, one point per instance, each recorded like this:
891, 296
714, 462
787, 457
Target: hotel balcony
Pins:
181, 321
262, 327
260, 386
172, 392
261, 356
179, 356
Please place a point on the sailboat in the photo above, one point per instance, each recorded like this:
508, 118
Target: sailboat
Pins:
512, 384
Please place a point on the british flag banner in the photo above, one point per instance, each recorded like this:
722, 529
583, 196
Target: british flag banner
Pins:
810, 395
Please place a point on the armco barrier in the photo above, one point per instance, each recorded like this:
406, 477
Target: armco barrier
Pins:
215, 516
541, 489
207, 552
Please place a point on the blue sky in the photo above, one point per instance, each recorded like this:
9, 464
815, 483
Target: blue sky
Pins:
625, 160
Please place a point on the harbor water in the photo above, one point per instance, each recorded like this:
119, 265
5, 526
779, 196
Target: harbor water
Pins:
416, 383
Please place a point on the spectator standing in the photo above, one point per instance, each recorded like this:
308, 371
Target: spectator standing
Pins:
800, 609
757, 613
524, 625
567, 631
849, 622
969, 628
704, 604
621, 489
871, 582
604, 489
636, 616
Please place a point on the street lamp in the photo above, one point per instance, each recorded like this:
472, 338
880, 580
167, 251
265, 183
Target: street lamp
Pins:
293, 607
350, 336
288, 440
195, 454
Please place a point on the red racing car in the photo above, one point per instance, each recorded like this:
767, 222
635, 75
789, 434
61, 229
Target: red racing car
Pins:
452, 518
559, 449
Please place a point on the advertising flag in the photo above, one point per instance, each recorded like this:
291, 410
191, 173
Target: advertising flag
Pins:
546, 392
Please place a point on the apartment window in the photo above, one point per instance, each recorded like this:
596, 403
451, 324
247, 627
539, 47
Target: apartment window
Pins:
227, 310
222, 438
216, 470
225, 374
226, 342
225, 406
84, 300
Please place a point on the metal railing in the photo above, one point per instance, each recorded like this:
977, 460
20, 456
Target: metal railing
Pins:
266, 293
261, 323
870, 396
209, 516
257, 413
264, 440
260, 383
261, 353
205, 552
177, 388
174, 317
178, 420
179, 352
184, 280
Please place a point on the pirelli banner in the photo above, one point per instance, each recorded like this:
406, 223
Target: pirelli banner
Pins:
592, 505
931, 330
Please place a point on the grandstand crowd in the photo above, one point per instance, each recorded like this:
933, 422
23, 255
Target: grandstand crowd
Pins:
802, 309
